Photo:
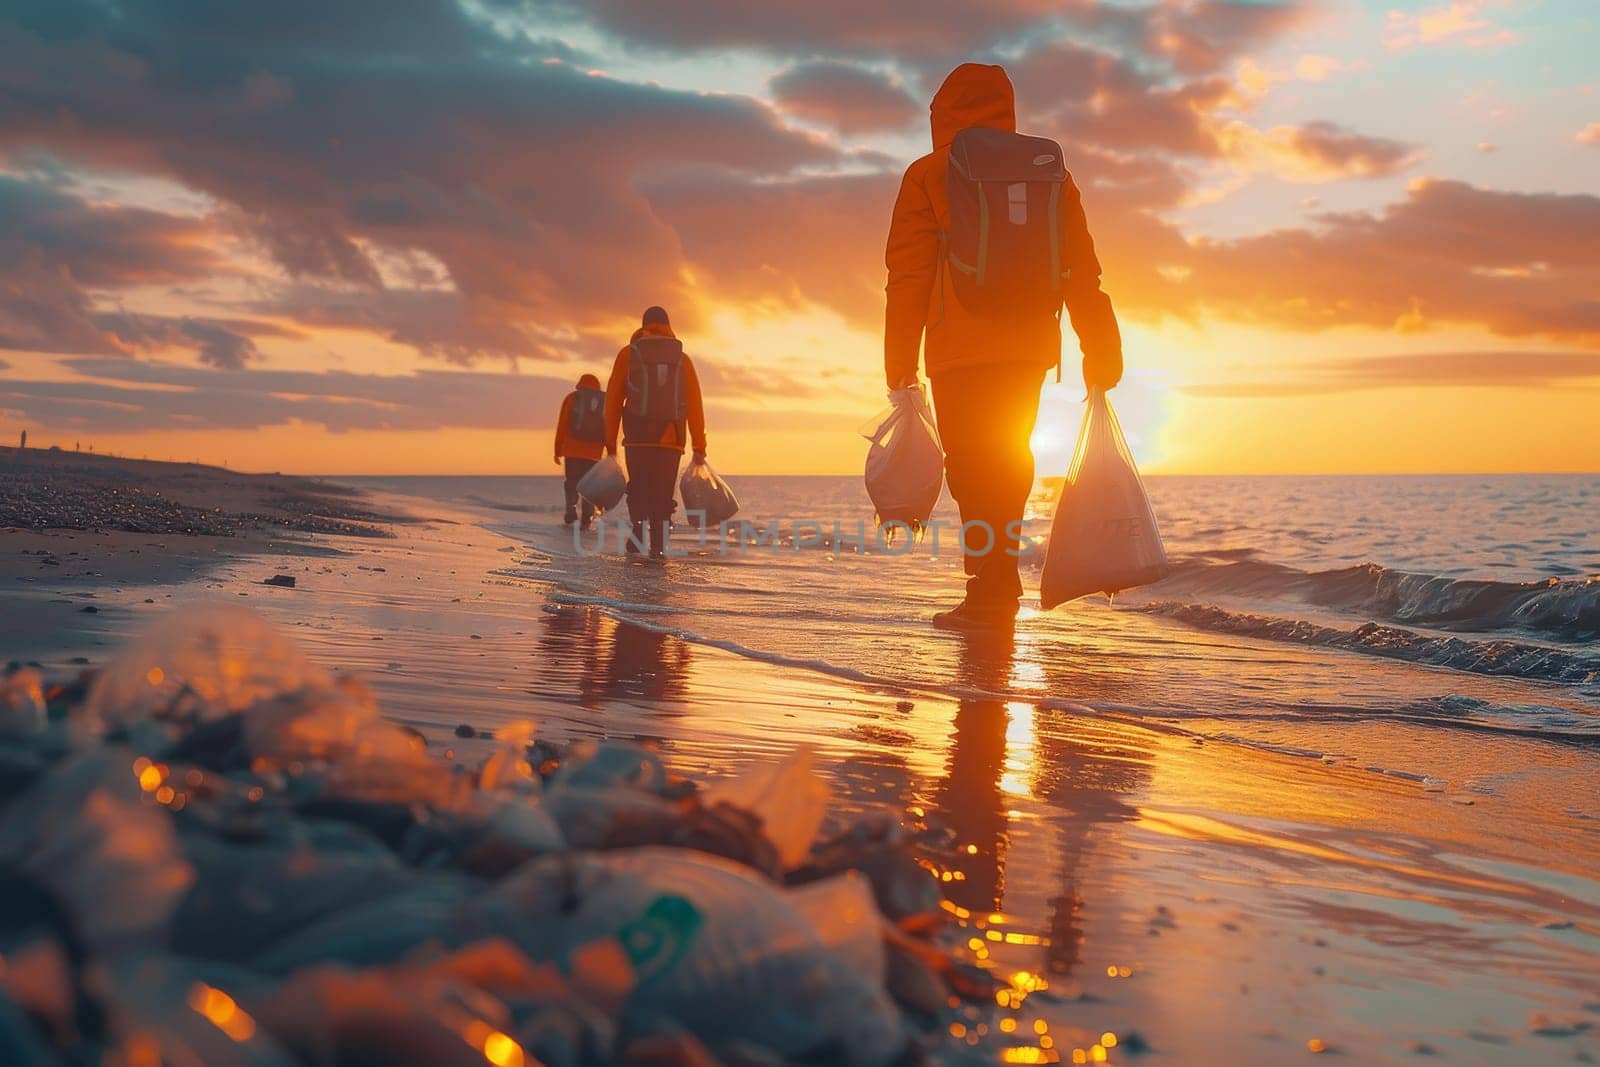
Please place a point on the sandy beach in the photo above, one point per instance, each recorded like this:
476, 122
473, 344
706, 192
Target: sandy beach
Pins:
77, 528
1200, 895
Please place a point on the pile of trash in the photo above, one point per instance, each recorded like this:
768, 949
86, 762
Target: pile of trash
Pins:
213, 852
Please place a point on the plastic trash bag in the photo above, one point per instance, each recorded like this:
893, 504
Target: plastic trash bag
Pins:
605, 485
166, 1010
249, 897
197, 666
692, 941
610, 764
707, 499
86, 833
789, 797
846, 916
1103, 537
22, 703
905, 465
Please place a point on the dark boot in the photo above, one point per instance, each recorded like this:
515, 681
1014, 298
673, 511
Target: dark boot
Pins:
636, 538
999, 615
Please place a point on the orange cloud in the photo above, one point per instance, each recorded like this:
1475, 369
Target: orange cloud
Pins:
1441, 370
849, 98
1314, 152
1316, 68
1590, 134
1459, 22
1516, 264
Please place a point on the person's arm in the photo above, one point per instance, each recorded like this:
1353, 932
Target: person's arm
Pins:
1093, 319
561, 426
912, 256
697, 410
616, 392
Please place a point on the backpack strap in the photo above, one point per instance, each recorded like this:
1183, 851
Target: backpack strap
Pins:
1055, 237
983, 235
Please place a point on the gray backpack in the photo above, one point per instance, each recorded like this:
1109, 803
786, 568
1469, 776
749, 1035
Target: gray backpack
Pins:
656, 398
587, 420
1004, 241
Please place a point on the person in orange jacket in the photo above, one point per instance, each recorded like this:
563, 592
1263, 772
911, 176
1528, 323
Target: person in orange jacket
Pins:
986, 369
581, 441
653, 402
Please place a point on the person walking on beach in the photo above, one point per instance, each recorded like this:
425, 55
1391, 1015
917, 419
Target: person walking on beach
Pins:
988, 240
653, 402
581, 441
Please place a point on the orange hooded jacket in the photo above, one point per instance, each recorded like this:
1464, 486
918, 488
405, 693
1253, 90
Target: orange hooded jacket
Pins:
617, 395
923, 311
567, 445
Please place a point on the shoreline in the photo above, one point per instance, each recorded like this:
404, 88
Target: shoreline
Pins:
81, 536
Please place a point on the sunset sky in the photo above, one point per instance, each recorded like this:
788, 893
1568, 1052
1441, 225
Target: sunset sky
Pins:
386, 236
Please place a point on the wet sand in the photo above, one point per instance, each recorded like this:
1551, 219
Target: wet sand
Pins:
1199, 902
76, 529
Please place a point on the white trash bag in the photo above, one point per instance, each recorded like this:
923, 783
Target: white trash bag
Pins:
789, 797
1103, 537
605, 485
905, 465
707, 499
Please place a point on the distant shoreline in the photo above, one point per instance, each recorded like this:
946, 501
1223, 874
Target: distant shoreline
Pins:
76, 525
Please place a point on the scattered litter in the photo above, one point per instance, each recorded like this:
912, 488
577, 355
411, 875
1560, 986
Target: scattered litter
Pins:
290, 868
285, 581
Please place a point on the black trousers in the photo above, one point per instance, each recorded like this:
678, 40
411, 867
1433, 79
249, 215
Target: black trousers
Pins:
986, 416
652, 477
576, 469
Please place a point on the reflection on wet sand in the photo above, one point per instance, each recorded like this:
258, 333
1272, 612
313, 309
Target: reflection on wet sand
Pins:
604, 659
1001, 749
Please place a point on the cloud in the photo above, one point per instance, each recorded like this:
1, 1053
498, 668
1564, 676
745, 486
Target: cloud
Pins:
851, 99
326, 133
467, 187
60, 251
1316, 68
127, 396
1590, 134
1517, 264
118, 396
1314, 152
1190, 37
214, 342
1440, 370
828, 250
1459, 22
916, 29
99, 246
1100, 99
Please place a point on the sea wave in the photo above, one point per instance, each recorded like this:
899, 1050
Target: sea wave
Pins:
1566, 609
1499, 658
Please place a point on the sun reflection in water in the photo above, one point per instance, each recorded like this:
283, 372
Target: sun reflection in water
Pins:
1019, 759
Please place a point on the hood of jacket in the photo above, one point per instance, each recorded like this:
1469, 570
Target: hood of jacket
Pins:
654, 329
975, 94
588, 381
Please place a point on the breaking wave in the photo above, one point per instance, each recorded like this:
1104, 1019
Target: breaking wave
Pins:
1501, 658
1565, 609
